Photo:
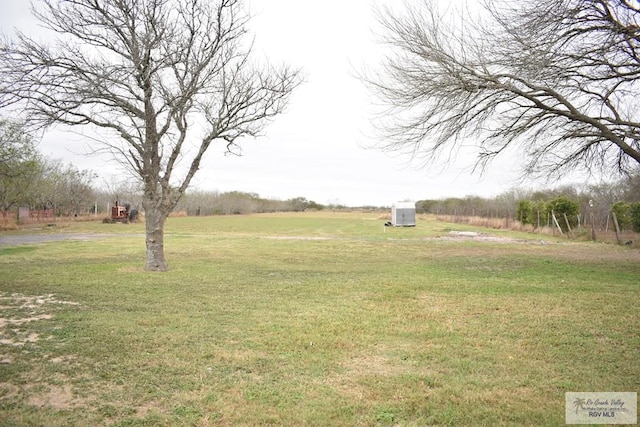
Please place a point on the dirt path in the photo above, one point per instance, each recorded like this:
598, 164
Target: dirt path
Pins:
33, 239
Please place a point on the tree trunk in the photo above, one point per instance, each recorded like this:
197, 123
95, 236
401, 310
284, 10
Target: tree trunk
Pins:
155, 219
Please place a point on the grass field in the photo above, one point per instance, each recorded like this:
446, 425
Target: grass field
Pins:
313, 319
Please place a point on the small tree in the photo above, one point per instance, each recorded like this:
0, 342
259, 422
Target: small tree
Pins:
65, 188
622, 211
524, 209
160, 80
561, 206
20, 165
634, 214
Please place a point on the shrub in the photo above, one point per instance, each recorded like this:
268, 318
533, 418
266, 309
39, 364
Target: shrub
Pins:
634, 216
621, 209
561, 206
523, 211
528, 212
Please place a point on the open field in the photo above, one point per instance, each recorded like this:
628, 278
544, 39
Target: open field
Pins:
312, 319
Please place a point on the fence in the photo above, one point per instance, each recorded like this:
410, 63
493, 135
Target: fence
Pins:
23, 215
606, 233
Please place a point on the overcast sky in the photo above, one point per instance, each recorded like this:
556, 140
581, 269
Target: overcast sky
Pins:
318, 149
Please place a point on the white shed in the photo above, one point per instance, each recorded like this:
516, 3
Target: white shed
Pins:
403, 214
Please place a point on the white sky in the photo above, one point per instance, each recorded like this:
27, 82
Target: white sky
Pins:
317, 148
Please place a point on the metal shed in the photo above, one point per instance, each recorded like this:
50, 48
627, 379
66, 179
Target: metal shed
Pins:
403, 214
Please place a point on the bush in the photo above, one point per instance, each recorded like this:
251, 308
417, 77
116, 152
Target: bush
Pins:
523, 212
634, 216
528, 212
621, 209
561, 206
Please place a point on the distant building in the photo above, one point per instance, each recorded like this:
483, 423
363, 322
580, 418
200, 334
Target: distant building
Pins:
403, 214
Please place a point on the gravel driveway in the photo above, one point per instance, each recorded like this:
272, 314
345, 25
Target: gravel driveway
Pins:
31, 239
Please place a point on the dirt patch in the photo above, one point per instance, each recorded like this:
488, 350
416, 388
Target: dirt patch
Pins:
358, 369
33, 239
55, 397
297, 238
450, 236
19, 313
11, 322
131, 270
58, 397
20, 310
482, 237
373, 365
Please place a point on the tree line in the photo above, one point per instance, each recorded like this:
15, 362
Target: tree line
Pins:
27, 178
536, 207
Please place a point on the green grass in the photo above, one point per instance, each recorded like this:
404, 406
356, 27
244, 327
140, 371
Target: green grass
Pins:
312, 319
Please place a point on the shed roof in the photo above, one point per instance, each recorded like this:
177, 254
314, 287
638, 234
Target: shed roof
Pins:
404, 205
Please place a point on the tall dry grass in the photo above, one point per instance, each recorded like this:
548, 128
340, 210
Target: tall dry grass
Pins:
625, 237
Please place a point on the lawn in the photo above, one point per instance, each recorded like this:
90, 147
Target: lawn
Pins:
313, 319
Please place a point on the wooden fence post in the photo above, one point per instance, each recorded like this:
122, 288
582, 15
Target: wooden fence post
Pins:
555, 221
569, 231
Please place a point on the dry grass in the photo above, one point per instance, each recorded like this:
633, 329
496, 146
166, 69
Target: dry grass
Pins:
578, 233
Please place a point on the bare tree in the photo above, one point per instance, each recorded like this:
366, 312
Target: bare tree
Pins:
162, 79
64, 188
554, 80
